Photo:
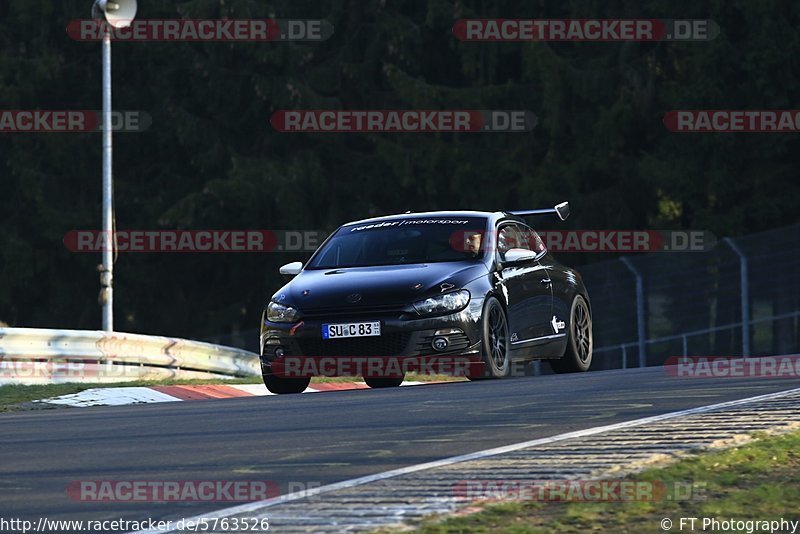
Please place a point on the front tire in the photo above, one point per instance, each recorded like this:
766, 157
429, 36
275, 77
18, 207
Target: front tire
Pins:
377, 383
578, 354
284, 386
495, 350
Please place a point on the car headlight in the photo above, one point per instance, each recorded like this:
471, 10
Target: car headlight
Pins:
449, 302
278, 313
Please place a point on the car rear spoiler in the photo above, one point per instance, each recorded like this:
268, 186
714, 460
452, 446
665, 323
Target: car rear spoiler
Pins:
562, 210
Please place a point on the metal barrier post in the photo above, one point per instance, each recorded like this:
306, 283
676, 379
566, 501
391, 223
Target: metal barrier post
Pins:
640, 311
745, 295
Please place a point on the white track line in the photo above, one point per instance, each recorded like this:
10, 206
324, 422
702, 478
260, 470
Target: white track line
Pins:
252, 506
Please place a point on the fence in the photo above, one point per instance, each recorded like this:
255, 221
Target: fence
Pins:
648, 308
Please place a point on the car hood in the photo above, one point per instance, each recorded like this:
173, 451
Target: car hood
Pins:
391, 285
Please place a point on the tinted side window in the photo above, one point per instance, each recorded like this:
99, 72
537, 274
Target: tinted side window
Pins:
533, 240
508, 237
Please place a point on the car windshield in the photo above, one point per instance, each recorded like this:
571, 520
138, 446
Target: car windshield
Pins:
403, 241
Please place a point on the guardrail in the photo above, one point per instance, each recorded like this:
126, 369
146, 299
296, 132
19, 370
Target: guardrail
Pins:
36, 355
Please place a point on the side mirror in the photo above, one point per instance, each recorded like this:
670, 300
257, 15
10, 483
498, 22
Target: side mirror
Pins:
518, 256
292, 269
562, 210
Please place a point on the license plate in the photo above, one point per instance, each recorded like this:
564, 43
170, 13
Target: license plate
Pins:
336, 331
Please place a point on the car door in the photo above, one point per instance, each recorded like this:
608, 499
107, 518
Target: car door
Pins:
527, 289
560, 285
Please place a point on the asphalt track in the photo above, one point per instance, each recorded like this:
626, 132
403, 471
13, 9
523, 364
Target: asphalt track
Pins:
316, 438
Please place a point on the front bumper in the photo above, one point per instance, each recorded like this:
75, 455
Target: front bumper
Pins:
405, 345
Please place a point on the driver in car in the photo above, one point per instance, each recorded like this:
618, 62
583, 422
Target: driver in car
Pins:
472, 244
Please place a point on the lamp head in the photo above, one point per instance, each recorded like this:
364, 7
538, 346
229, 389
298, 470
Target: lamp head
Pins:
118, 13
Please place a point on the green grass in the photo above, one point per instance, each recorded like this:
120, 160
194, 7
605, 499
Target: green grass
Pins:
756, 481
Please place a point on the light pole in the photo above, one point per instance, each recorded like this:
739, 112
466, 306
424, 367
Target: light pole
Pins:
117, 14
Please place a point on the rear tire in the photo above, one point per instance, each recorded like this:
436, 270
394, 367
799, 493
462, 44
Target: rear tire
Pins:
577, 357
284, 386
377, 383
495, 349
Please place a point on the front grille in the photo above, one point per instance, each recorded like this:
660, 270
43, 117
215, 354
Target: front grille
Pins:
352, 311
384, 345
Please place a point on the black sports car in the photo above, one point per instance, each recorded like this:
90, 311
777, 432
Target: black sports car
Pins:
475, 291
